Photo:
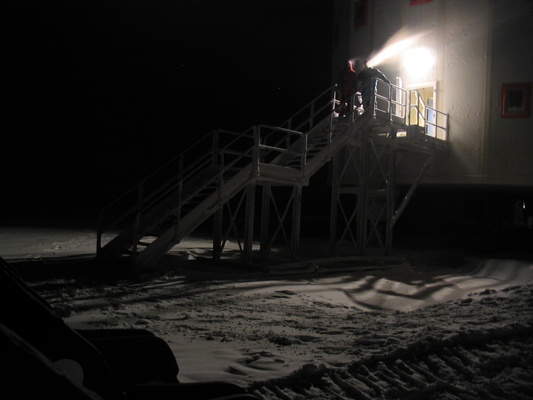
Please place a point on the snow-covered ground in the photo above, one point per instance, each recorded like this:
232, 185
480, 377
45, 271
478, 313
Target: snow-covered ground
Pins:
332, 328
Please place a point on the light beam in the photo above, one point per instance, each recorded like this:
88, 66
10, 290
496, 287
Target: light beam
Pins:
397, 44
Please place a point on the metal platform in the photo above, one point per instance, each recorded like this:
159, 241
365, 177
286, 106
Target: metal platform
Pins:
231, 179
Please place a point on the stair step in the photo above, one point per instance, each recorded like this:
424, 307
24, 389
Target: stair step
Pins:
200, 191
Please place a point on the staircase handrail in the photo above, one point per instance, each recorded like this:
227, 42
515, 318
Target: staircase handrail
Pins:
266, 148
314, 112
224, 167
141, 200
190, 186
311, 110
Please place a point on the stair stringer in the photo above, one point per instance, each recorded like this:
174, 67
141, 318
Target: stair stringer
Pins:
152, 217
173, 235
265, 172
347, 135
342, 131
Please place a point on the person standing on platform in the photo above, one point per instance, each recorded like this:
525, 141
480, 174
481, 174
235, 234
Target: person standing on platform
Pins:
365, 76
346, 84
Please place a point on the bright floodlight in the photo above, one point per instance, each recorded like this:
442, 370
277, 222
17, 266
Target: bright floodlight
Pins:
418, 61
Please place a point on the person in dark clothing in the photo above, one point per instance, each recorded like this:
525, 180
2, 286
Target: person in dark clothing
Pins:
346, 84
365, 76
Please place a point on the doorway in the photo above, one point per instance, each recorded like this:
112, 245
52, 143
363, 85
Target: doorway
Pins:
422, 108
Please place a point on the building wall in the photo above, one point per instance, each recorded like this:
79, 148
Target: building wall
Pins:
479, 45
464, 48
510, 142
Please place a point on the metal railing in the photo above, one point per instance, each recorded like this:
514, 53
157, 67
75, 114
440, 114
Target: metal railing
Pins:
320, 109
433, 121
406, 107
389, 102
194, 169
275, 141
214, 158
183, 177
312, 113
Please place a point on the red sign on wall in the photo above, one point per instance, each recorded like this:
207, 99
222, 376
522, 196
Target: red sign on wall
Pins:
416, 2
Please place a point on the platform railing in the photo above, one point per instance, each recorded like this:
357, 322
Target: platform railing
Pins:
274, 141
388, 101
433, 121
217, 155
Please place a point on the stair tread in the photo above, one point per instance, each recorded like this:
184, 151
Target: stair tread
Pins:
198, 191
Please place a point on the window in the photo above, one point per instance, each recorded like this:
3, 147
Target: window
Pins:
360, 13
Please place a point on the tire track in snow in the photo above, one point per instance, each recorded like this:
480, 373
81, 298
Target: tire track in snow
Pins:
495, 364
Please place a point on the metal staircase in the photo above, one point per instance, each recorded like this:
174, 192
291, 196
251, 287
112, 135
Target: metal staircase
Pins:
164, 208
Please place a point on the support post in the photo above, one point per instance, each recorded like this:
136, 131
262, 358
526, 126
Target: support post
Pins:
296, 220
334, 204
390, 200
411, 190
217, 234
250, 199
362, 205
137, 224
265, 220
219, 214
249, 222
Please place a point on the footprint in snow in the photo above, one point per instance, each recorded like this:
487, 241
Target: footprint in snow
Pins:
283, 294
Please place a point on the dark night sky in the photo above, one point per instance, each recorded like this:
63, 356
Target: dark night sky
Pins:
100, 93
